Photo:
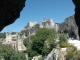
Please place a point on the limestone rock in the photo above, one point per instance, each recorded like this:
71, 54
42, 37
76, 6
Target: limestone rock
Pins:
69, 26
10, 11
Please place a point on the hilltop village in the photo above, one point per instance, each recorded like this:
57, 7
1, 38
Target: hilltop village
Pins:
19, 41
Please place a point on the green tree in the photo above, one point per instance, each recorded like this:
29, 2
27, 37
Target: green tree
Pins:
49, 44
42, 35
38, 45
6, 51
30, 52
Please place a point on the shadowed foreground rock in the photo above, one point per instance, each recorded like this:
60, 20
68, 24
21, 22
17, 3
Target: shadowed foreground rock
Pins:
10, 11
77, 13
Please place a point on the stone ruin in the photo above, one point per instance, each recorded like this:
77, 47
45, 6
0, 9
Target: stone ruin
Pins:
15, 40
32, 27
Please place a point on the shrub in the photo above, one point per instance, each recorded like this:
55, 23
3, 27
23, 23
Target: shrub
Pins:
64, 44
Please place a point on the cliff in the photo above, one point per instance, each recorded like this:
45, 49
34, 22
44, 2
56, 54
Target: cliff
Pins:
69, 26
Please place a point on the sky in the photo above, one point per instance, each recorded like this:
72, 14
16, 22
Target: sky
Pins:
35, 10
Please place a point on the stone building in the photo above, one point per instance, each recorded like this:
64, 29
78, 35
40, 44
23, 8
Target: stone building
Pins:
48, 24
15, 41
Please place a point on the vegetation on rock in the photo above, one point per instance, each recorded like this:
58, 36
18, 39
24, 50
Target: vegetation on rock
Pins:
42, 42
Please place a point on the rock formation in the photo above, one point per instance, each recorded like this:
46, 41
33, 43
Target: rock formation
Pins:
53, 55
69, 26
77, 14
10, 11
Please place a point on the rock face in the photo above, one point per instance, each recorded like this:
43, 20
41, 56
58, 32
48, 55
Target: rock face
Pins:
69, 26
77, 14
10, 11
53, 55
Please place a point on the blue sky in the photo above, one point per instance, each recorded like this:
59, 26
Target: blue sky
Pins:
35, 10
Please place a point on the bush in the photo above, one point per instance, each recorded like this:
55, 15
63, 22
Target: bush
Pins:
71, 53
64, 44
63, 38
18, 56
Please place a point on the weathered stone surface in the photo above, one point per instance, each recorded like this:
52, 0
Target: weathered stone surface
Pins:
69, 26
10, 11
77, 13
